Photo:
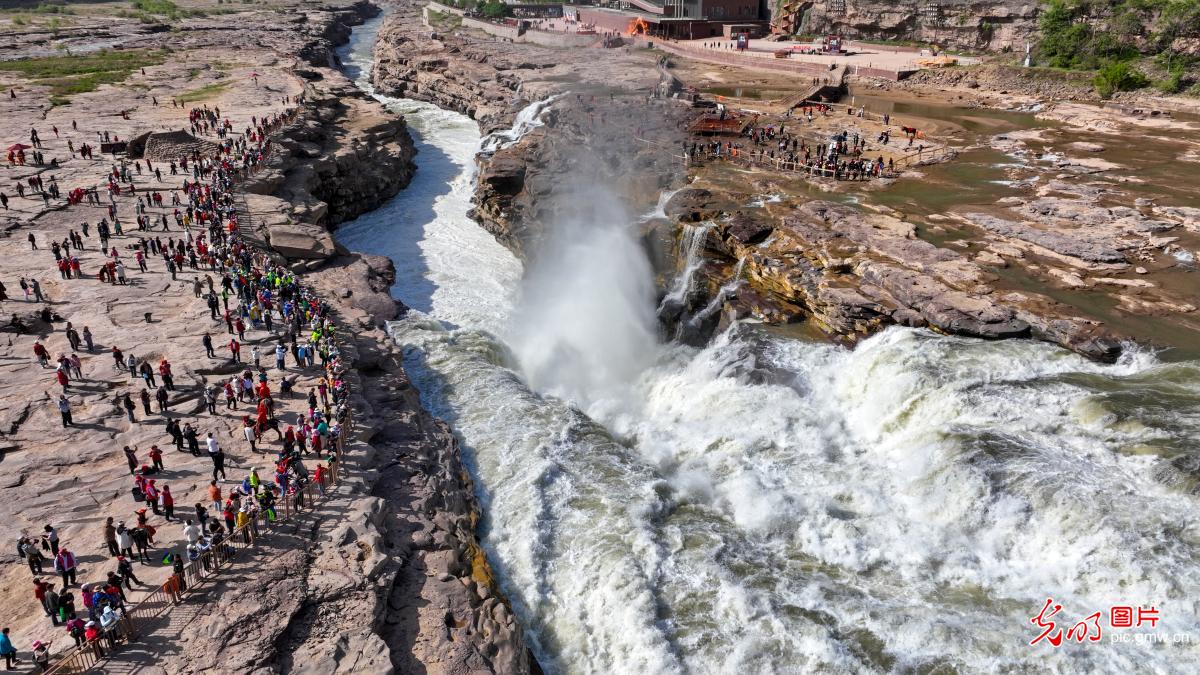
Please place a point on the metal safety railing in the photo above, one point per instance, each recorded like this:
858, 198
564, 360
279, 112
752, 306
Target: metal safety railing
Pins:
757, 159
135, 620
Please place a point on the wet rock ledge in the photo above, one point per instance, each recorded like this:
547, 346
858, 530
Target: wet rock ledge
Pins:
389, 576
853, 273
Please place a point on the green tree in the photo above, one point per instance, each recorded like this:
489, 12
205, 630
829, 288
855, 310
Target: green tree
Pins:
1118, 76
494, 9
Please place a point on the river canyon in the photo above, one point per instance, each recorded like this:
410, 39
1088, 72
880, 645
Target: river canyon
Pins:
764, 500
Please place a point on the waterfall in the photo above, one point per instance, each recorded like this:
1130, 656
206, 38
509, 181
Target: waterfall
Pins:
584, 327
659, 212
726, 289
770, 504
528, 119
691, 247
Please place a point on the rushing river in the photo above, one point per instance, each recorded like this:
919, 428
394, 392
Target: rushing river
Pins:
775, 505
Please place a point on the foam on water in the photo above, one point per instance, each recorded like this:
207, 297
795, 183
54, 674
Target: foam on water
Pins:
771, 508
770, 505
437, 250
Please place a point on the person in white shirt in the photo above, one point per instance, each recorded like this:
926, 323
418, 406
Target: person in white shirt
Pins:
218, 457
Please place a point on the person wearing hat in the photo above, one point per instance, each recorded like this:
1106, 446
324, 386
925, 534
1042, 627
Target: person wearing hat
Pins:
64, 564
124, 541
85, 592
228, 514
91, 633
151, 494
41, 655
33, 555
143, 524
243, 519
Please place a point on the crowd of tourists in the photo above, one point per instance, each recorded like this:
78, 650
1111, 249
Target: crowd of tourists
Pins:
843, 156
254, 298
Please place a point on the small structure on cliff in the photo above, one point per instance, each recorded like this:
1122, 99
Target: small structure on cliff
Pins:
712, 125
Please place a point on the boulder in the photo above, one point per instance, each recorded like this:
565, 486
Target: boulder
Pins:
746, 229
299, 242
692, 205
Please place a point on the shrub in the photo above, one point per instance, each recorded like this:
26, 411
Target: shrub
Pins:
494, 9
1118, 76
156, 6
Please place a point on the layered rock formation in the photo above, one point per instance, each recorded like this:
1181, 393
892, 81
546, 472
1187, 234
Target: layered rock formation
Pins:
344, 155
963, 24
583, 165
385, 577
852, 273
395, 580
600, 133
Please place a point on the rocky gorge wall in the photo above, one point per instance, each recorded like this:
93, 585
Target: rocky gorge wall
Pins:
601, 133
389, 578
960, 24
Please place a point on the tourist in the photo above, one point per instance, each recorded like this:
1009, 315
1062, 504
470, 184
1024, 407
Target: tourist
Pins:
216, 455
41, 655
7, 650
64, 565
167, 502
124, 541
50, 539
110, 537
64, 409
27, 547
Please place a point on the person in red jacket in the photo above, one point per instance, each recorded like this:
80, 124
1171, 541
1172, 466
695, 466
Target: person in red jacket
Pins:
156, 457
43, 356
320, 476
91, 633
167, 502
61, 376
164, 371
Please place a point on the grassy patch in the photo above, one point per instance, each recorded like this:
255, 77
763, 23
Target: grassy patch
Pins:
41, 8
156, 6
206, 92
81, 73
444, 21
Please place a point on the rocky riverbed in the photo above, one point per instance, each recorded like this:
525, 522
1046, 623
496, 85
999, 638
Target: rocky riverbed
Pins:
388, 576
851, 259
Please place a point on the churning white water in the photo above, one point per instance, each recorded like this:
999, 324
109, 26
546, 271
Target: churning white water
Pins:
771, 505
528, 119
437, 250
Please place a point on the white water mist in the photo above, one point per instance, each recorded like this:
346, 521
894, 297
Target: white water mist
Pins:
584, 327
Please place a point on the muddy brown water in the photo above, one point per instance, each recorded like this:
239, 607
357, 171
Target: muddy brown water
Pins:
1150, 167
